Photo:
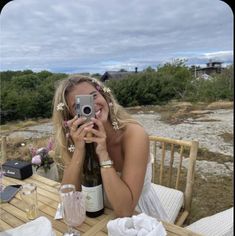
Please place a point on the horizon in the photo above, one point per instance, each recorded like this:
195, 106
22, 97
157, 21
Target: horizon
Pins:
133, 70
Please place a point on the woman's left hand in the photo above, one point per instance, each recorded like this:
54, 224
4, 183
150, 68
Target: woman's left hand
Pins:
99, 137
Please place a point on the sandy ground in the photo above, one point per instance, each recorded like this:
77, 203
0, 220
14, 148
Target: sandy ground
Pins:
206, 130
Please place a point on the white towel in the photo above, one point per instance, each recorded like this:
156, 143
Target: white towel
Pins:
139, 225
40, 227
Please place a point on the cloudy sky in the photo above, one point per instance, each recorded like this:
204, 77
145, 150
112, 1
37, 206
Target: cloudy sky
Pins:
99, 35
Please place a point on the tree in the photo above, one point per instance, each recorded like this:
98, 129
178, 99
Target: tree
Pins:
175, 79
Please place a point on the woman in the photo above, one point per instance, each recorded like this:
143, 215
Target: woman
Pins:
117, 136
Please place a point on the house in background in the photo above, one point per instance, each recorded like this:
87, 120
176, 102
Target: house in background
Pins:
212, 67
114, 75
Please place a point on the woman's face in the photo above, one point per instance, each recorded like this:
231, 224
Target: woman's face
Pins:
100, 104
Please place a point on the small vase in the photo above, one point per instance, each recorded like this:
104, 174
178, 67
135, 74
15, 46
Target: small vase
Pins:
51, 173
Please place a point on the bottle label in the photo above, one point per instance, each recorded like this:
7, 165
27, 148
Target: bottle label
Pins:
94, 198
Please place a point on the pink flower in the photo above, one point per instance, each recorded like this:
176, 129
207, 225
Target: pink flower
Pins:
42, 157
37, 160
42, 151
65, 123
32, 150
50, 144
98, 87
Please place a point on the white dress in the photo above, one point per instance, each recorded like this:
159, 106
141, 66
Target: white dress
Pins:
149, 202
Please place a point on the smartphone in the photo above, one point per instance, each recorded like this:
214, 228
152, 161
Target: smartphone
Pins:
9, 192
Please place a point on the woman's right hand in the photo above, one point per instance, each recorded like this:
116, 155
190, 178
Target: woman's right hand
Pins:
77, 130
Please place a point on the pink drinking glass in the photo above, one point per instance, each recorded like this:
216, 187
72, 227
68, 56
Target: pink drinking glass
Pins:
73, 205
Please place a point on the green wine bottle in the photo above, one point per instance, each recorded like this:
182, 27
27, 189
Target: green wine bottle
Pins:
92, 183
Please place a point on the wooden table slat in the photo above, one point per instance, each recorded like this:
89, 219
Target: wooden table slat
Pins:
4, 225
98, 227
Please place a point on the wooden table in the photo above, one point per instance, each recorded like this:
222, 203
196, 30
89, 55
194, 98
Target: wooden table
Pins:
13, 215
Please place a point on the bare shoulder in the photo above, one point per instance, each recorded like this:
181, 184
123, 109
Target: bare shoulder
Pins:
135, 146
135, 132
132, 128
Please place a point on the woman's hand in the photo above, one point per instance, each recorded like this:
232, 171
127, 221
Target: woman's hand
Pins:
74, 167
78, 130
99, 137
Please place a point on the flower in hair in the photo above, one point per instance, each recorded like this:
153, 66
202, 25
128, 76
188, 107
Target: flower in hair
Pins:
107, 90
71, 148
60, 107
115, 125
95, 81
98, 87
65, 123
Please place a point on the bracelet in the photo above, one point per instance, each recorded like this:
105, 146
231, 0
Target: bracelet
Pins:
106, 164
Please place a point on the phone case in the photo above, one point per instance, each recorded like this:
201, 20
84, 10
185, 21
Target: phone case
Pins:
8, 193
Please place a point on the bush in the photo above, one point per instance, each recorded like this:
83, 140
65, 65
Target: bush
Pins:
26, 94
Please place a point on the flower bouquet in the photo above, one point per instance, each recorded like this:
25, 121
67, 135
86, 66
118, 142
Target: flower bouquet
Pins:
42, 157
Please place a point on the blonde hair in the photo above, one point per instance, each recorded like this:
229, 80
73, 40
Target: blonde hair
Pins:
117, 114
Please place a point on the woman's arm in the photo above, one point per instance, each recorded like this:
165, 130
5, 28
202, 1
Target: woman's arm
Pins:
73, 168
124, 192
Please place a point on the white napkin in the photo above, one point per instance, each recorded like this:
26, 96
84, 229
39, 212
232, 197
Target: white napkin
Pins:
139, 225
40, 227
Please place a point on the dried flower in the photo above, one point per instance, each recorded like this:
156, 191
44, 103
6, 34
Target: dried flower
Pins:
50, 144
106, 90
115, 125
95, 81
60, 107
71, 148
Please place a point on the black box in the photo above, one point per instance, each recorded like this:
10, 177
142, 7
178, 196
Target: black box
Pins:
17, 169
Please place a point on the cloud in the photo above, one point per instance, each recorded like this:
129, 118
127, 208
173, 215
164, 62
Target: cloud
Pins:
94, 36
